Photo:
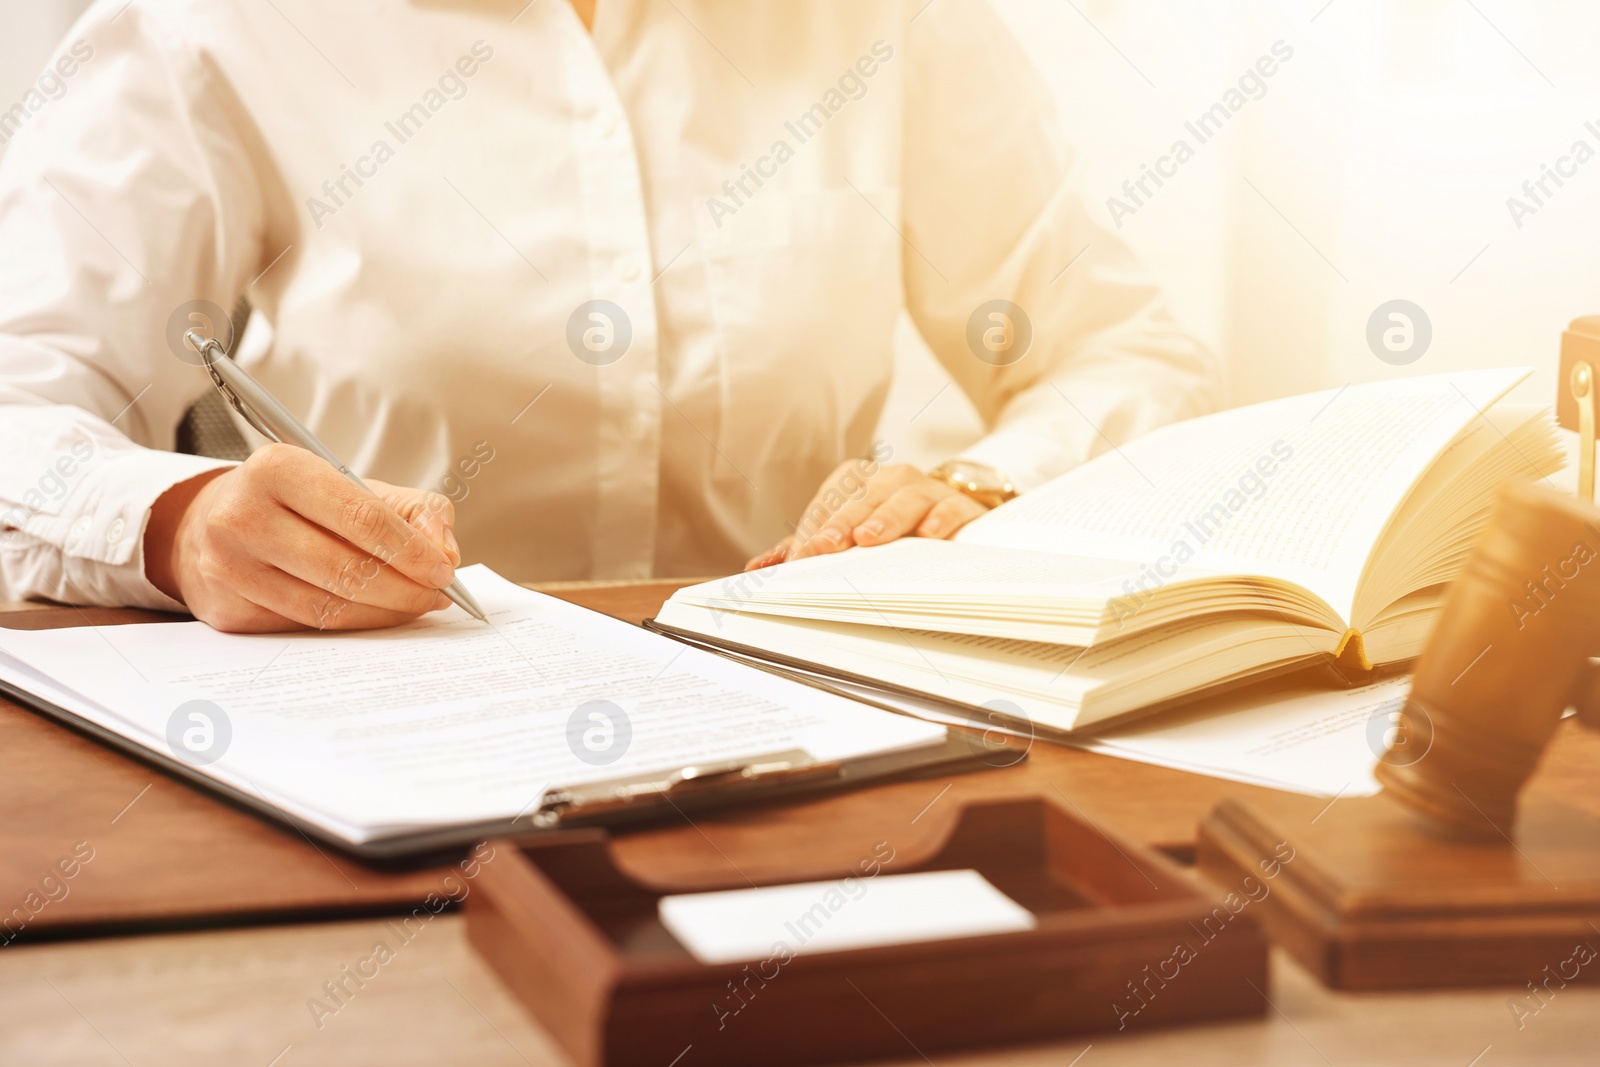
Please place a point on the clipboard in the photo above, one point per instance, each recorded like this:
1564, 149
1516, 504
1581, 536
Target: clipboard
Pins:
663, 795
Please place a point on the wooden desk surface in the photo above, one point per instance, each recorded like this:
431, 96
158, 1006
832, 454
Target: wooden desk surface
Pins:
168, 854
238, 997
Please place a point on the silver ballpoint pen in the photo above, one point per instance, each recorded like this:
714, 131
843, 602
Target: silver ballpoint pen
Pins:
277, 423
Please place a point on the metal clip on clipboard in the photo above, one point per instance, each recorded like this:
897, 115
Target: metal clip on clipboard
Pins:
562, 804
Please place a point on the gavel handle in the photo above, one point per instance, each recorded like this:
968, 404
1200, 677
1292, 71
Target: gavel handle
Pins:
1586, 696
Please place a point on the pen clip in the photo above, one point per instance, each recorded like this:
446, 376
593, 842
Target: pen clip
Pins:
563, 803
210, 352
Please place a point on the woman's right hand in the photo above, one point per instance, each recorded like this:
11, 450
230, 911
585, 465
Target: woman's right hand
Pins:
284, 542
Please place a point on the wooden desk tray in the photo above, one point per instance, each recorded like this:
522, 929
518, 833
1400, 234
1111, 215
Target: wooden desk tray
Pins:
1124, 939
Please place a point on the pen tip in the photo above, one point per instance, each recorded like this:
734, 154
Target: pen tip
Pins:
466, 602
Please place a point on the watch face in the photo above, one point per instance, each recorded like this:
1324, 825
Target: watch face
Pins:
977, 475
984, 484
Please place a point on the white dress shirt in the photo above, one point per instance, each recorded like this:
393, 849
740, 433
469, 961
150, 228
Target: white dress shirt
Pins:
420, 199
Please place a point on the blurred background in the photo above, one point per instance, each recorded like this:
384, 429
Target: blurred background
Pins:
1376, 166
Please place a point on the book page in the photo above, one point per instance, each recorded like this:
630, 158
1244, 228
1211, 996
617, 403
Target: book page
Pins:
1298, 488
444, 720
931, 584
1055, 685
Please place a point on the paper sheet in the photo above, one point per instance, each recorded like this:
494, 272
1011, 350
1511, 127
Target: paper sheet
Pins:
1316, 741
444, 720
782, 921
1322, 742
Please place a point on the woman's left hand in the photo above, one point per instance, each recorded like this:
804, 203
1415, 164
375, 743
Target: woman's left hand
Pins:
899, 500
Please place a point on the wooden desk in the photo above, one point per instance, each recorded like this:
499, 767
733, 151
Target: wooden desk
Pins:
170, 856
239, 995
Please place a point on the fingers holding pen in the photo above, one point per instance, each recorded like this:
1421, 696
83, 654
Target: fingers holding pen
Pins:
315, 557
324, 498
256, 597
431, 512
284, 541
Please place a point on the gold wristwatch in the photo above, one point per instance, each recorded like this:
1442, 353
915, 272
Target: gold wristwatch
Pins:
980, 482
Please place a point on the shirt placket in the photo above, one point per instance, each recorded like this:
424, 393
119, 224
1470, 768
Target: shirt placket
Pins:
629, 399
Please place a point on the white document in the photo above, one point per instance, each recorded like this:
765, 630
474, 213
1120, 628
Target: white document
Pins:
442, 721
1321, 742
1301, 739
855, 912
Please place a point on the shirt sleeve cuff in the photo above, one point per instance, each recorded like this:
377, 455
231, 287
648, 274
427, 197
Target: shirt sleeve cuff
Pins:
100, 530
1053, 428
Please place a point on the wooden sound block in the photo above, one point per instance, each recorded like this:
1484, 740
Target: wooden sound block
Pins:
1376, 897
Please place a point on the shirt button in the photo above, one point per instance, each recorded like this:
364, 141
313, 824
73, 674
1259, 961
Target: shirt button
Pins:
114, 531
606, 125
646, 406
628, 269
79, 530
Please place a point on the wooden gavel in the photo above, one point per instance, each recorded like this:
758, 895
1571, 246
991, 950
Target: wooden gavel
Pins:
1576, 386
1513, 646
1510, 654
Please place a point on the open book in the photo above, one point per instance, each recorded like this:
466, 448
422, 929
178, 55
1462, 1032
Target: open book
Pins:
446, 730
1203, 554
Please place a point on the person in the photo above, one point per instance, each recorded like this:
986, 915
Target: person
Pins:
596, 291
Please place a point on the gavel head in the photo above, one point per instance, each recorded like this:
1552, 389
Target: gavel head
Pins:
1509, 655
